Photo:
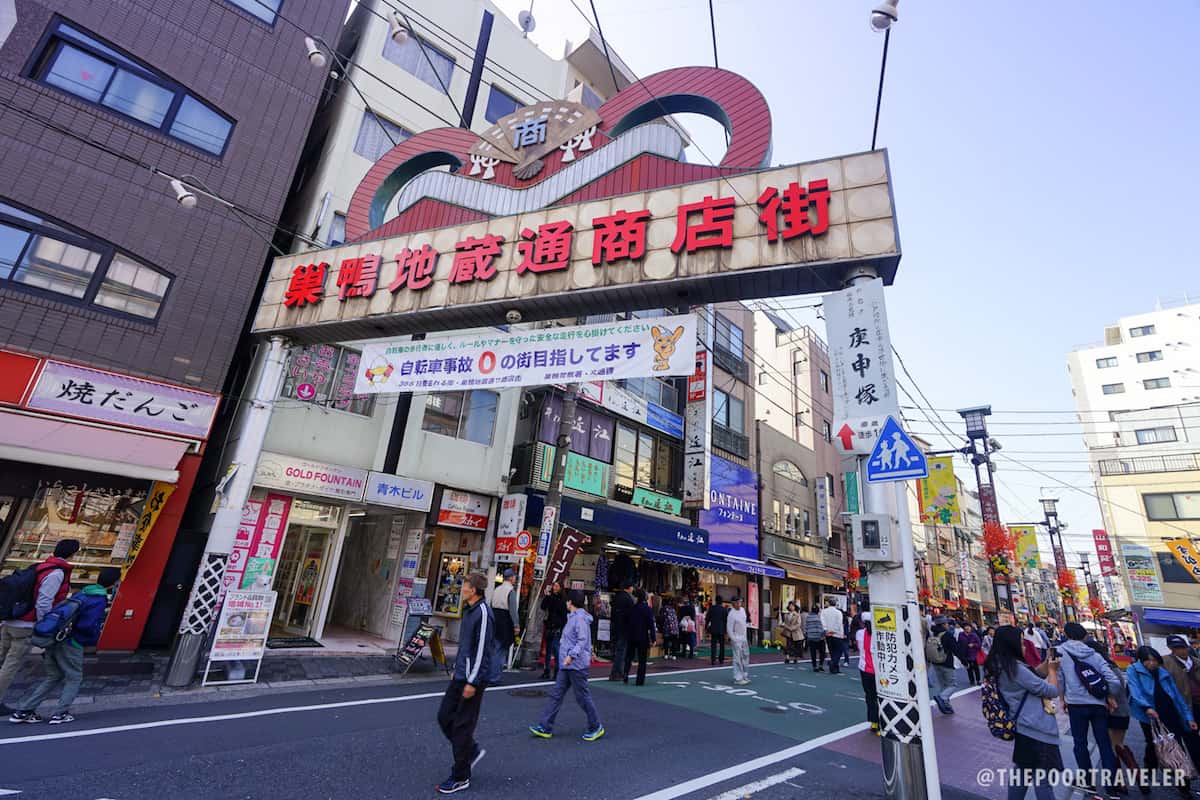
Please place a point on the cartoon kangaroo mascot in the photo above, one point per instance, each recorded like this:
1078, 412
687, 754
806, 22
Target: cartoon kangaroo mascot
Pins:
664, 346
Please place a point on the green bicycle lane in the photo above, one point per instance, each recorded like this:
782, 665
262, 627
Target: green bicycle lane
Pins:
788, 700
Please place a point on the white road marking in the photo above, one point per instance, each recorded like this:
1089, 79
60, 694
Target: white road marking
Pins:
757, 786
7, 792
266, 712
712, 778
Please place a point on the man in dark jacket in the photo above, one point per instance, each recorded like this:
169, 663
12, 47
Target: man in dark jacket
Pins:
641, 634
941, 672
63, 661
618, 629
51, 586
555, 609
715, 623
473, 669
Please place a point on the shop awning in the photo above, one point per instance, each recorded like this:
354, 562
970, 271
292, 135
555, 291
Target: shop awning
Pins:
1172, 616
802, 572
71, 445
752, 566
683, 559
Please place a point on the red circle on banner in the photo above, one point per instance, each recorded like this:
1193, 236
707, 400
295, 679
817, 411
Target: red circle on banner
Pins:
487, 362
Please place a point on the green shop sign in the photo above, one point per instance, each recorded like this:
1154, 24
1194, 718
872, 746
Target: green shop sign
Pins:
659, 502
583, 474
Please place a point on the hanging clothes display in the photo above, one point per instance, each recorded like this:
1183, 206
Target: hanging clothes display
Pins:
601, 580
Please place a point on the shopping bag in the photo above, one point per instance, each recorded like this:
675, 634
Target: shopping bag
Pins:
980, 657
1171, 753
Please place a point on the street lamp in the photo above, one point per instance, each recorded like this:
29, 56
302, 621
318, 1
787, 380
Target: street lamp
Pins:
883, 15
1050, 507
976, 420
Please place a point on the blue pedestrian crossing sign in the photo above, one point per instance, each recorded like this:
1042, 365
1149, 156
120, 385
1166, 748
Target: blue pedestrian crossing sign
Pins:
896, 456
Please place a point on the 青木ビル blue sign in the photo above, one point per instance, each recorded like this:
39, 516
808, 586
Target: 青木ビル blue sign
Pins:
731, 518
398, 491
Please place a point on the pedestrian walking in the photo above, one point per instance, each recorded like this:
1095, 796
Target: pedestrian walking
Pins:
866, 671
1088, 688
80, 618
622, 605
1038, 638
641, 635
474, 668
555, 609
1154, 697
574, 658
715, 622
847, 637
833, 621
939, 655
1185, 669
970, 652
687, 632
670, 629
792, 633
505, 599
814, 636
51, 585
1026, 693
986, 643
739, 643
1118, 717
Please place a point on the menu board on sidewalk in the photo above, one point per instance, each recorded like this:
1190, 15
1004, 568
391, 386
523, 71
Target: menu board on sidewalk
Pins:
241, 638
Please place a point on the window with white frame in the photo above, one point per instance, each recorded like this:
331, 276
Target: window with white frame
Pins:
376, 136
1113, 388
1163, 433
499, 104
729, 336
469, 415
1142, 330
1106, 363
827, 430
1148, 356
1156, 383
790, 471
436, 69
266, 10
729, 411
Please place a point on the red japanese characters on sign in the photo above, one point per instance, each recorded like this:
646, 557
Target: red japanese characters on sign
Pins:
1104, 553
621, 236
698, 380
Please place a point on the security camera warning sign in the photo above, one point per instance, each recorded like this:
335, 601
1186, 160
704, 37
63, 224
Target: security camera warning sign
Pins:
494, 359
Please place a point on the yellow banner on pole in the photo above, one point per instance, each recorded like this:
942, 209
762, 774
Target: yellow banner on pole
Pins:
939, 580
1027, 545
1185, 553
155, 502
939, 493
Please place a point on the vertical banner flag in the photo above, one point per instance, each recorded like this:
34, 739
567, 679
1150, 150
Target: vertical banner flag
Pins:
1104, 553
939, 580
1027, 546
939, 492
1185, 553
860, 360
155, 502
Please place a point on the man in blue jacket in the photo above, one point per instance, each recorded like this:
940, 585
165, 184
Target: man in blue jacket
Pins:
63, 661
575, 656
475, 666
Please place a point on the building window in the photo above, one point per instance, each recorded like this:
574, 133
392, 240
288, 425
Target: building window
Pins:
655, 390
81, 65
824, 381
790, 471
729, 337
1113, 388
827, 430
337, 230
590, 99
831, 485
1171, 506
500, 104
1165, 433
462, 415
1106, 363
1157, 383
775, 515
323, 375
410, 58
266, 10
1148, 356
729, 412
625, 458
807, 521
38, 254
376, 136
1144, 330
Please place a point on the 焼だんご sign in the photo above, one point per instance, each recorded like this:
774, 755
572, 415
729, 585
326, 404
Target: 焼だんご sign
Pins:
737, 237
636, 348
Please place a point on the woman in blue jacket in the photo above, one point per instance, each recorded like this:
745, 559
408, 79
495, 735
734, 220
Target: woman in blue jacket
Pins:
575, 657
1153, 695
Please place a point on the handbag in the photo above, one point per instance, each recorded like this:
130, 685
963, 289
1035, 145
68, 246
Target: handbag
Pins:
980, 657
1170, 752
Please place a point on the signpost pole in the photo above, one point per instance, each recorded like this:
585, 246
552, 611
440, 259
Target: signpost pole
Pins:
551, 522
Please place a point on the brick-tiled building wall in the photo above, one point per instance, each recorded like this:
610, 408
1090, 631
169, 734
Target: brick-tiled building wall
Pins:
253, 72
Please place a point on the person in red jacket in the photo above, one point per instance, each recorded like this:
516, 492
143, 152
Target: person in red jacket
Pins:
51, 588
866, 670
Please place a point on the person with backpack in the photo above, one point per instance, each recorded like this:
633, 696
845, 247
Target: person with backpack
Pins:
1017, 704
477, 664
939, 655
1088, 688
64, 631
575, 656
26, 596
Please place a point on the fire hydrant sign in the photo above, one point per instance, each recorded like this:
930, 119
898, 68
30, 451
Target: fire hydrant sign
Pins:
860, 358
891, 677
635, 348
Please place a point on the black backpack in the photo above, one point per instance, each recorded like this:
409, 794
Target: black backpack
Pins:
1091, 678
16, 591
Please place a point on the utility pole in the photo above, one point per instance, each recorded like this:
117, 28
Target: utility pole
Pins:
910, 768
977, 436
531, 637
